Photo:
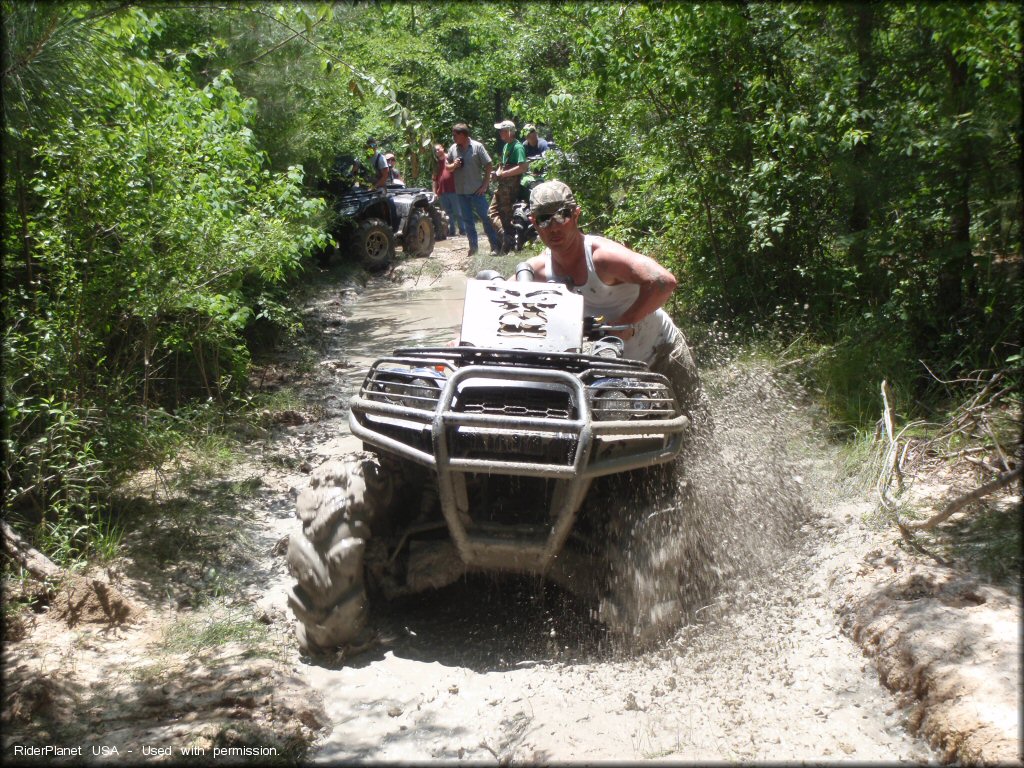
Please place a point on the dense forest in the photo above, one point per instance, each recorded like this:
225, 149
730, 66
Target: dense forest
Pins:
838, 184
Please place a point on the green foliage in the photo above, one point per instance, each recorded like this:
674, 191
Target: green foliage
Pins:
845, 175
148, 233
859, 161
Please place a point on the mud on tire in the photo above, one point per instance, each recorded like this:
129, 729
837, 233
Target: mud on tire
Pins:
418, 241
337, 510
374, 244
440, 221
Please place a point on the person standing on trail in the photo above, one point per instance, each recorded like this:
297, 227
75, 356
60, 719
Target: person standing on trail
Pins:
380, 173
471, 165
444, 188
509, 175
619, 285
393, 172
533, 144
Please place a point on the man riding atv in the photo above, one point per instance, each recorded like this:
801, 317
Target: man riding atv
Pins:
480, 456
618, 284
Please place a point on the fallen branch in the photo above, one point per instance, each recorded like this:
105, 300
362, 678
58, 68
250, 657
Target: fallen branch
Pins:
1002, 480
892, 464
908, 537
29, 558
982, 464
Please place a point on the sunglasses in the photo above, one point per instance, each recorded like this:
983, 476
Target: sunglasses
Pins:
558, 217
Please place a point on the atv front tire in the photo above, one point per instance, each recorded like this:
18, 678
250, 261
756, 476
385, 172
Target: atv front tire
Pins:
326, 556
374, 244
441, 224
419, 235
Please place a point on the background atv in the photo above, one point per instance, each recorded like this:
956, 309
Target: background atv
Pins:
480, 458
540, 168
370, 222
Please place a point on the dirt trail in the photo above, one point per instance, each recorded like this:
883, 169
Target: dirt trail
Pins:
473, 673
513, 671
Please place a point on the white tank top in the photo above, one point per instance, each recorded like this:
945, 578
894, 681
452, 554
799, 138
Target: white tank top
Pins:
610, 301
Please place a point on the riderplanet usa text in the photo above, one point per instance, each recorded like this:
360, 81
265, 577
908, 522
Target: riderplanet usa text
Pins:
48, 750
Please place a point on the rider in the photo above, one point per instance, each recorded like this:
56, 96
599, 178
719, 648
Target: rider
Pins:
395, 175
508, 175
618, 284
533, 144
379, 170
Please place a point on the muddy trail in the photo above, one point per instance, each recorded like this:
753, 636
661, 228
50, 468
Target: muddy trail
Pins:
824, 640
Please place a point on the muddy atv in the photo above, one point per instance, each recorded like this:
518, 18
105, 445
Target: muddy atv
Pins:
479, 458
369, 223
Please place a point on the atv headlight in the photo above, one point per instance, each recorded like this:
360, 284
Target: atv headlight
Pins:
419, 393
417, 388
611, 405
618, 400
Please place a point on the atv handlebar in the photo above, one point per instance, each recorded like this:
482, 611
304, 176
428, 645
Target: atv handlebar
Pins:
595, 328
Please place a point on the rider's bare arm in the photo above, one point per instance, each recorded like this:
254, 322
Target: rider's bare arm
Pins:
615, 263
540, 268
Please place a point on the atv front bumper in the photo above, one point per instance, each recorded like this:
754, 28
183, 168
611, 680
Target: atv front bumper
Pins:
565, 417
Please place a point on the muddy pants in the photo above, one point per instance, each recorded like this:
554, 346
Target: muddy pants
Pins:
500, 211
674, 361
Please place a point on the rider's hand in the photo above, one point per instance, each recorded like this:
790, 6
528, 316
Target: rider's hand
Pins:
626, 334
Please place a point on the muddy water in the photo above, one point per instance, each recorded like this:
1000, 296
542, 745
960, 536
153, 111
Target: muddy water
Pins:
493, 671
373, 322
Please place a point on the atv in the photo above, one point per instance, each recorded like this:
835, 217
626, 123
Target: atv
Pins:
370, 222
523, 231
479, 458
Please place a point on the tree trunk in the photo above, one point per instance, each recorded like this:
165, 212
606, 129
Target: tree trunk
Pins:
862, 183
955, 267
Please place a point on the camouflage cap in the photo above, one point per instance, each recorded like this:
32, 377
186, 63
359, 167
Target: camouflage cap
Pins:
529, 128
505, 125
550, 197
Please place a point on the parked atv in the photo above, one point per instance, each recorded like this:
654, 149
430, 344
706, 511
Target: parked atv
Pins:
523, 231
479, 458
370, 222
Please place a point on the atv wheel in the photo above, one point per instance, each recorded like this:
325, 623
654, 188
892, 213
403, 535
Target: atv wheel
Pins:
441, 224
520, 236
374, 244
326, 556
419, 235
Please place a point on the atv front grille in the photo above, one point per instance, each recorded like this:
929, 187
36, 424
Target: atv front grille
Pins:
507, 401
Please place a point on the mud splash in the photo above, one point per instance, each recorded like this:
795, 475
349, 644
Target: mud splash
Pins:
731, 512
500, 670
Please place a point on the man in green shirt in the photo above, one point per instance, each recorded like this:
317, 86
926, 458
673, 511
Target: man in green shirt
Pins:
508, 175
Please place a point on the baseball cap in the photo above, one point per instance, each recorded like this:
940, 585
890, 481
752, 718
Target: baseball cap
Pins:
529, 128
389, 156
550, 197
505, 125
